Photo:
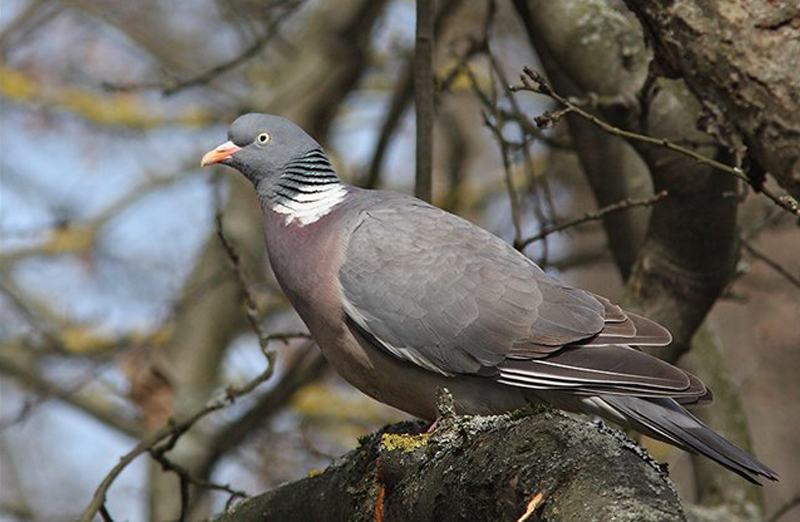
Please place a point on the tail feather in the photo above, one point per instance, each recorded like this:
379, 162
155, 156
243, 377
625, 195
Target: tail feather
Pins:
667, 420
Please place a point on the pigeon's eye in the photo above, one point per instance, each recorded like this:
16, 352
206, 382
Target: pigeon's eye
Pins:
263, 138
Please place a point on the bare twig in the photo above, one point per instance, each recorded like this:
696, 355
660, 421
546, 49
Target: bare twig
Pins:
541, 218
33, 17
172, 431
495, 123
423, 96
769, 262
100, 410
509, 180
247, 292
104, 514
81, 236
785, 508
174, 86
186, 479
304, 368
519, 116
534, 82
401, 96
535, 132
599, 214
36, 316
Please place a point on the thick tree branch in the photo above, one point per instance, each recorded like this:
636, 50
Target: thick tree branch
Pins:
102, 410
741, 60
612, 168
546, 465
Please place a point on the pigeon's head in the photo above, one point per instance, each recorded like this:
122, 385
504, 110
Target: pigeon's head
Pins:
259, 145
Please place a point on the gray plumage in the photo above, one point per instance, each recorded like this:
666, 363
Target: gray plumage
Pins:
403, 298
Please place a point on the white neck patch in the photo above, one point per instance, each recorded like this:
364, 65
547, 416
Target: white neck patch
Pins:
308, 208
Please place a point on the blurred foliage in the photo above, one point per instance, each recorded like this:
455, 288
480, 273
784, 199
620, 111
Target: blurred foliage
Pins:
123, 109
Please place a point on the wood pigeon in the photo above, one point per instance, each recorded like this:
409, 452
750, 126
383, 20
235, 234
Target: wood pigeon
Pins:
404, 298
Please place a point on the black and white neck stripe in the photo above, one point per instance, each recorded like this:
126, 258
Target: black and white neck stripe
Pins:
307, 188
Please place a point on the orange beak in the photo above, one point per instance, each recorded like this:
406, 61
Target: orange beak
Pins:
220, 154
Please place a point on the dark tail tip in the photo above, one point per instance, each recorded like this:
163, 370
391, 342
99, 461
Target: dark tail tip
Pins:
667, 420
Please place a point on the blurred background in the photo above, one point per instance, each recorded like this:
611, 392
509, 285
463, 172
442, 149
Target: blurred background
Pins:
118, 307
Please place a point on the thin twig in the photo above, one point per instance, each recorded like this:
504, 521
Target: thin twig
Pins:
172, 431
86, 403
770, 262
247, 292
599, 214
519, 116
785, 508
174, 86
104, 514
534, 82
36, 317
175, 428
187, 478
90, 228
423, 98
491, 103
536, 182
474, 48
401, 96
307, 365
504, 153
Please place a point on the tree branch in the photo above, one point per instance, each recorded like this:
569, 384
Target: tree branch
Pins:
175, 85
401, 96
793, 279
480, 468
95, 406
424, 98
625, 204
534, 82
170, 433
690, 250
741, 62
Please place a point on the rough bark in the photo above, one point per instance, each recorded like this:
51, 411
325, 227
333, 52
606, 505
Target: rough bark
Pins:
742, 60
691, 248
480, 468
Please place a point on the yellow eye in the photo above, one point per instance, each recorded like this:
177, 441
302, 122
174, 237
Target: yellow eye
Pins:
263, 138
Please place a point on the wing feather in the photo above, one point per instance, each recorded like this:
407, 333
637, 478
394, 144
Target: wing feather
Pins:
419, 279
436, 291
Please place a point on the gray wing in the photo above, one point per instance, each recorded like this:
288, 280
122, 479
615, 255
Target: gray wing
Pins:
438, 291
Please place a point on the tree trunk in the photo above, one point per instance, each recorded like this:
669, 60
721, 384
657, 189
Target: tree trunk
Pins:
742, 60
